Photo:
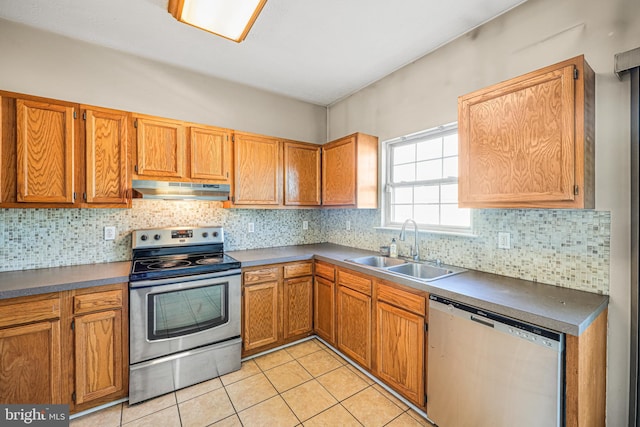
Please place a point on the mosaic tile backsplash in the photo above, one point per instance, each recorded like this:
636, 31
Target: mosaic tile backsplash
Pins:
559, 247
568, 248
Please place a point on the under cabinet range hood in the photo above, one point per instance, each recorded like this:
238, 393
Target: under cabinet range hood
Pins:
179, 190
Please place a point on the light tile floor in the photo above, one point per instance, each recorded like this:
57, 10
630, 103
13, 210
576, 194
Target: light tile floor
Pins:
307, 384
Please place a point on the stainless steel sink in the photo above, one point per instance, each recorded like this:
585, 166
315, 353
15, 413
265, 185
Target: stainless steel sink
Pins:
420, 271
426, 272
378, 261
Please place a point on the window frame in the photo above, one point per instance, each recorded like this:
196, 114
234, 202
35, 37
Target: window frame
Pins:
386, 169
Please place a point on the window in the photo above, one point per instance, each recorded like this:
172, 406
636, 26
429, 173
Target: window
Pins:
421, 181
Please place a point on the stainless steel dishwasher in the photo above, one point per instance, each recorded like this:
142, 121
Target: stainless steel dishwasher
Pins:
485, 369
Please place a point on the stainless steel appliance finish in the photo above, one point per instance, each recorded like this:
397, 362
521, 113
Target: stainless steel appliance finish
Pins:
184, 310
148, 189
488, 370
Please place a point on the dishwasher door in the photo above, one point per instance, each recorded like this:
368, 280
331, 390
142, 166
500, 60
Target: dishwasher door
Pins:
488, 370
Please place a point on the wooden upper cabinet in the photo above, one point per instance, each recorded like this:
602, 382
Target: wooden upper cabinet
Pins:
529, 141
257, 170
350, 172
160, 147
106, 148
210, 154
301, 174
45, 147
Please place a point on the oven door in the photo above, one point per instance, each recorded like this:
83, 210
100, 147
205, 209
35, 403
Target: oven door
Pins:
172, 315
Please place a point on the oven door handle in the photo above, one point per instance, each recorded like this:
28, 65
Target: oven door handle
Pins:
184, 279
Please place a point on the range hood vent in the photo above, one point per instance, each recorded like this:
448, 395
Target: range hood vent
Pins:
179, 190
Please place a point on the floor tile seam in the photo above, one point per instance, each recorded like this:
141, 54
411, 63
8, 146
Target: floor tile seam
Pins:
331, 394
291, 409
244, 378
304, 355
383, 392
352, 414
235, 411
257, 403
396, 417
150, 413
331, 407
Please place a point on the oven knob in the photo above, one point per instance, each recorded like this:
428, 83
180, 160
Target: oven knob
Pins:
215, 234
157, 237
144, 237
205, 234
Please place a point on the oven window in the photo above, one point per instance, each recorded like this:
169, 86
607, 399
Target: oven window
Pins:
183, 312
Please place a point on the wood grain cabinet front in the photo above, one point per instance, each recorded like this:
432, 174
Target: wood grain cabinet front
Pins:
400, 340
257, 170
106, 157
58, 154
160, 147
529, 142
68, 347
30, 350
278, 308
353, 316
350, 172
301, 174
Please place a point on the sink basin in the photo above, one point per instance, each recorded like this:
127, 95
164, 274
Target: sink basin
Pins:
378, 261
424, 272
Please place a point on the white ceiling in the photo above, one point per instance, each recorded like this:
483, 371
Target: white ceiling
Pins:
316, 51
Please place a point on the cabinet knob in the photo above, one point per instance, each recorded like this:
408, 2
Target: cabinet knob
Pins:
144, 237
157, 237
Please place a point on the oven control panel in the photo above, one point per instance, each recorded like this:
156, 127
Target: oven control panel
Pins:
176, 236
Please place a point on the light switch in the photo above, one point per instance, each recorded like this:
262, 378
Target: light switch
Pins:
109, 233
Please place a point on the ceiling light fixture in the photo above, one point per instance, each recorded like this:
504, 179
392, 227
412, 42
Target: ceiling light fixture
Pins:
231, 19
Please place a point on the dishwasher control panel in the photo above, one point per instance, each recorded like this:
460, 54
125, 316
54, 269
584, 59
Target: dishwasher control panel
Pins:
516, 328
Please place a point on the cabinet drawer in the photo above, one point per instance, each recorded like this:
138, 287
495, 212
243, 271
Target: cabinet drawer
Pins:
326, 270
402, 299
27, 310
355, 282
298, 269
261, 275
97, 301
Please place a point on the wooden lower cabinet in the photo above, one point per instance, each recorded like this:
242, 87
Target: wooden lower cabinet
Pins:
277, 305
30, 370
298, 303
400, 341
261, 317
324, 309
353, 316
67, 347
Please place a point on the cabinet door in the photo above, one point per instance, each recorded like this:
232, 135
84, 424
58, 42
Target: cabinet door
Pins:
324, 309
257, 170
161, 147
528, 142
30, 361
301, 174
298, 306
339, 172
106, 147
354, 325
45, 152
260, 315
98, 355
210, 154
400, 351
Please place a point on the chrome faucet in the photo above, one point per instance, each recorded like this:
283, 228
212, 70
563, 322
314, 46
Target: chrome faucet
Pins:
415, 255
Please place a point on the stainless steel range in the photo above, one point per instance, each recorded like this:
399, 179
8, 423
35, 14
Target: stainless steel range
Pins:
184, 310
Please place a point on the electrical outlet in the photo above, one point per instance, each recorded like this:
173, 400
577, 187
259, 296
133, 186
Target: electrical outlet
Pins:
109, 233
305, 225
504, 240
348, 225
250, 228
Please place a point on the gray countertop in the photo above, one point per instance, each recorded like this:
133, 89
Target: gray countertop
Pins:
561, 309
43, 280
552, 307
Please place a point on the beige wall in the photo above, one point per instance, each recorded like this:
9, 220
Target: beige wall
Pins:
44, 64
535, 34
